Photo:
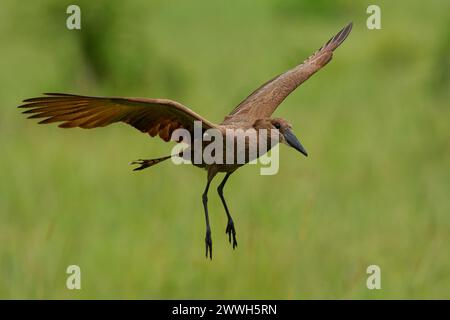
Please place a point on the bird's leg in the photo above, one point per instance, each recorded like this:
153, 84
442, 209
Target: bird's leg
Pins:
230, 225
208, 240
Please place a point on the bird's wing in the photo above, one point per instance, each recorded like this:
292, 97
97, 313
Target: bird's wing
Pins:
264, 100
152, 116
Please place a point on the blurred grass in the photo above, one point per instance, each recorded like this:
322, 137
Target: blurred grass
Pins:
375, 121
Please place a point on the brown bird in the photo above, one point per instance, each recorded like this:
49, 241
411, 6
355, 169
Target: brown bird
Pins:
162, 117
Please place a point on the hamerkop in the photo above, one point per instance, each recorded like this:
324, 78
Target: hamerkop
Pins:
162, 117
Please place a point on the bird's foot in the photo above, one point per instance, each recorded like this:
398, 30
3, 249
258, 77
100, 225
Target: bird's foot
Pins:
231, 232
142, 164
208, 243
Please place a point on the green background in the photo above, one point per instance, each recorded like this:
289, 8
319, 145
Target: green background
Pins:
375, 189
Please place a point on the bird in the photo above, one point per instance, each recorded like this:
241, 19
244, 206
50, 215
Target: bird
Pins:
164, 116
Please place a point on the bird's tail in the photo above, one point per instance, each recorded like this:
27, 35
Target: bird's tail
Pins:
148, 163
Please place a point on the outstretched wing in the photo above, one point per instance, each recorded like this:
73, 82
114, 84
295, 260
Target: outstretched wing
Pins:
153, 116
264, 100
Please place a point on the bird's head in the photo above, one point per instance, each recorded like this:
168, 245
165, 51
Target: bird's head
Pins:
286, 135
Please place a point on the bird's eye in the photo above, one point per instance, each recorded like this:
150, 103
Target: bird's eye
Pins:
277, 125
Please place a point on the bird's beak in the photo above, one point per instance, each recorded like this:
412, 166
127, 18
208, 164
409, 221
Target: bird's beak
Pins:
292, 140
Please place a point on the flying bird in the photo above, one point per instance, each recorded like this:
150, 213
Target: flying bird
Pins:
162, 117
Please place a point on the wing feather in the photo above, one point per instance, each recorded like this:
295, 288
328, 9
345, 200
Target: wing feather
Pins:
153, 116
263, 101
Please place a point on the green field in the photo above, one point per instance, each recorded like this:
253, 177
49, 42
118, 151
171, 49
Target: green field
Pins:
374, 190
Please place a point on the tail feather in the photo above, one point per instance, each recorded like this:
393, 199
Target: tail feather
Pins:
143, 163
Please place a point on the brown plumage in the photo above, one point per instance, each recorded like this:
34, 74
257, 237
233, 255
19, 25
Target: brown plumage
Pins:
162, 117
153, 116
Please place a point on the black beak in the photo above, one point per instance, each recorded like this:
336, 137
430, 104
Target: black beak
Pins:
292, 140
